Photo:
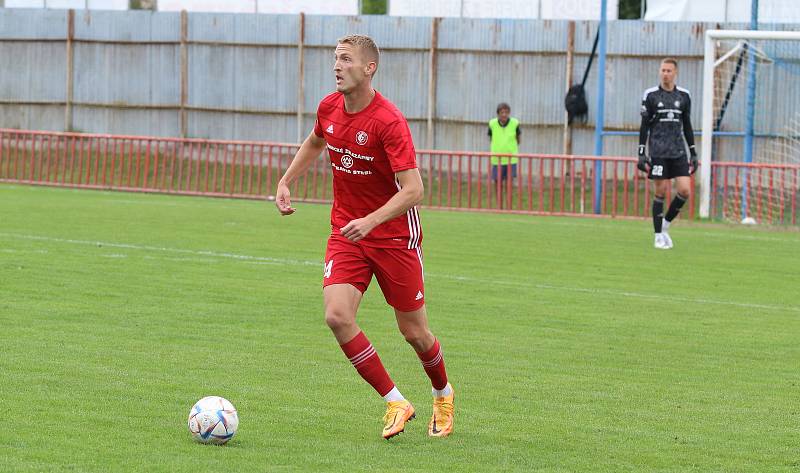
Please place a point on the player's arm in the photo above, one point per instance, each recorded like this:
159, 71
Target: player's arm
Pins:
644, 129
688, 134
410, 194
308, 153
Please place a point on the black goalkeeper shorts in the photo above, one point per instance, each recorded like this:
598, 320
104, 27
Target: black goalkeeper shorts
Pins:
661, 168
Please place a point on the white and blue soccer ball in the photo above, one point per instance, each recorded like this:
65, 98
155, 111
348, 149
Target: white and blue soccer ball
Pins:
213, 419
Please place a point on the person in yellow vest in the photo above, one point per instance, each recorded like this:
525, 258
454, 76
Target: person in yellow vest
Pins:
504, 132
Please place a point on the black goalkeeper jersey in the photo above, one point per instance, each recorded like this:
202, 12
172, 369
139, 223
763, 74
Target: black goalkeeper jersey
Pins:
666, 122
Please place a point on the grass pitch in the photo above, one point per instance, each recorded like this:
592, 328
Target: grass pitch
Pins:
572, 344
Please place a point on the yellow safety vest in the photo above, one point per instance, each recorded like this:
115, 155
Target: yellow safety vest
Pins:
504, 140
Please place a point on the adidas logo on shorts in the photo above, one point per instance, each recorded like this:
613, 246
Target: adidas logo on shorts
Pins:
419, 296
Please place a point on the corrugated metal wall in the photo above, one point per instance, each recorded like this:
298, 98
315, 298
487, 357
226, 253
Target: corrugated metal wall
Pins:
242, 74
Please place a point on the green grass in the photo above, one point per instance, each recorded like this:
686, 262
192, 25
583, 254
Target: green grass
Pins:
572, 343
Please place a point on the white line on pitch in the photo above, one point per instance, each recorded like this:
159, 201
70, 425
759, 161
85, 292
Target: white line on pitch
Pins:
215, 254
292, 262
614, 292
754, 236
737, 236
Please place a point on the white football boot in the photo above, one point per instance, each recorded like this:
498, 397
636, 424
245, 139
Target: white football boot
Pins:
660, 242
665, 231
667, 240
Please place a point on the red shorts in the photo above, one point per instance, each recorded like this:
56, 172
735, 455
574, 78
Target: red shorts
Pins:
398, 271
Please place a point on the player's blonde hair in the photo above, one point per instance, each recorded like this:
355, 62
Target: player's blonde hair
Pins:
670, 60
365, 44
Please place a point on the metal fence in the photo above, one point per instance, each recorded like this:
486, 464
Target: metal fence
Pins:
542, 184
257, 77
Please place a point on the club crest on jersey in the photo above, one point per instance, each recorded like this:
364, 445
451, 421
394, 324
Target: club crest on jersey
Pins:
677, 104
347, 162
361, 137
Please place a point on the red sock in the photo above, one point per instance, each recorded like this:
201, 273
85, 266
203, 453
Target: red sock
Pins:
366, 361
433, 362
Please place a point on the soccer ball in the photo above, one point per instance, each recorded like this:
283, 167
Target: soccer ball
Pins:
213, 419
748, 221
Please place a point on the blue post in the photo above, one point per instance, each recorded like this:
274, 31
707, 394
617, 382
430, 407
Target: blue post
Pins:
599, 122
751, 105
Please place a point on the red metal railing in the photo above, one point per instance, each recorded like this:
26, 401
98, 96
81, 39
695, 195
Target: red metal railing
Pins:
543, 183
243, 169
767, 193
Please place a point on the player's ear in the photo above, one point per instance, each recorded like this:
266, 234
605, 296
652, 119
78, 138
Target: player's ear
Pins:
371, 68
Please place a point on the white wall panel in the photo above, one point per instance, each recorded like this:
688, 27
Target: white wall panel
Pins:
769, 11
69, 4
312, 7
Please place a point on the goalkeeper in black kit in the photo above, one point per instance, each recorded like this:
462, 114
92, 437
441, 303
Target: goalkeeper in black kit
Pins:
664, 136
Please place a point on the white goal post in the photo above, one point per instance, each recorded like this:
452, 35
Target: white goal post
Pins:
710, 62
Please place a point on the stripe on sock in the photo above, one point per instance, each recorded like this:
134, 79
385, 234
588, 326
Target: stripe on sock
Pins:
435, 361
363, 356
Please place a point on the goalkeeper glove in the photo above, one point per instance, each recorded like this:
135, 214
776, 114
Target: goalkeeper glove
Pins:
693, 160
644, 162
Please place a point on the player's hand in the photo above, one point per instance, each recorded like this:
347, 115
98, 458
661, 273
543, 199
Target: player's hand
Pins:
282, 200
358, 228
644, 162
693, 165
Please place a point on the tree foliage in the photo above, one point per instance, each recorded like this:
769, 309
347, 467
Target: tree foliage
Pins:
374, 7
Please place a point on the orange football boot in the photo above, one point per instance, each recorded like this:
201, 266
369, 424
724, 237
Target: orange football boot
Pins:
397, 414
441, 424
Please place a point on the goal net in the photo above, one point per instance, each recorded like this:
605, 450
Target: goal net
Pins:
751, 126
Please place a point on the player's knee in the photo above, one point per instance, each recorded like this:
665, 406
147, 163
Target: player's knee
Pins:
417, 337
337, 318
684, 193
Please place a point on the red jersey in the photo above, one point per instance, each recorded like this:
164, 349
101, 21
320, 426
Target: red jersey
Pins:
366, 149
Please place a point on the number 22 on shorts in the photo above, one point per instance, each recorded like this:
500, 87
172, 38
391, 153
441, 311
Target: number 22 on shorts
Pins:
658, 170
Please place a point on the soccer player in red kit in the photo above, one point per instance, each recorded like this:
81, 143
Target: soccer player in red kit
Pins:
375, 227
